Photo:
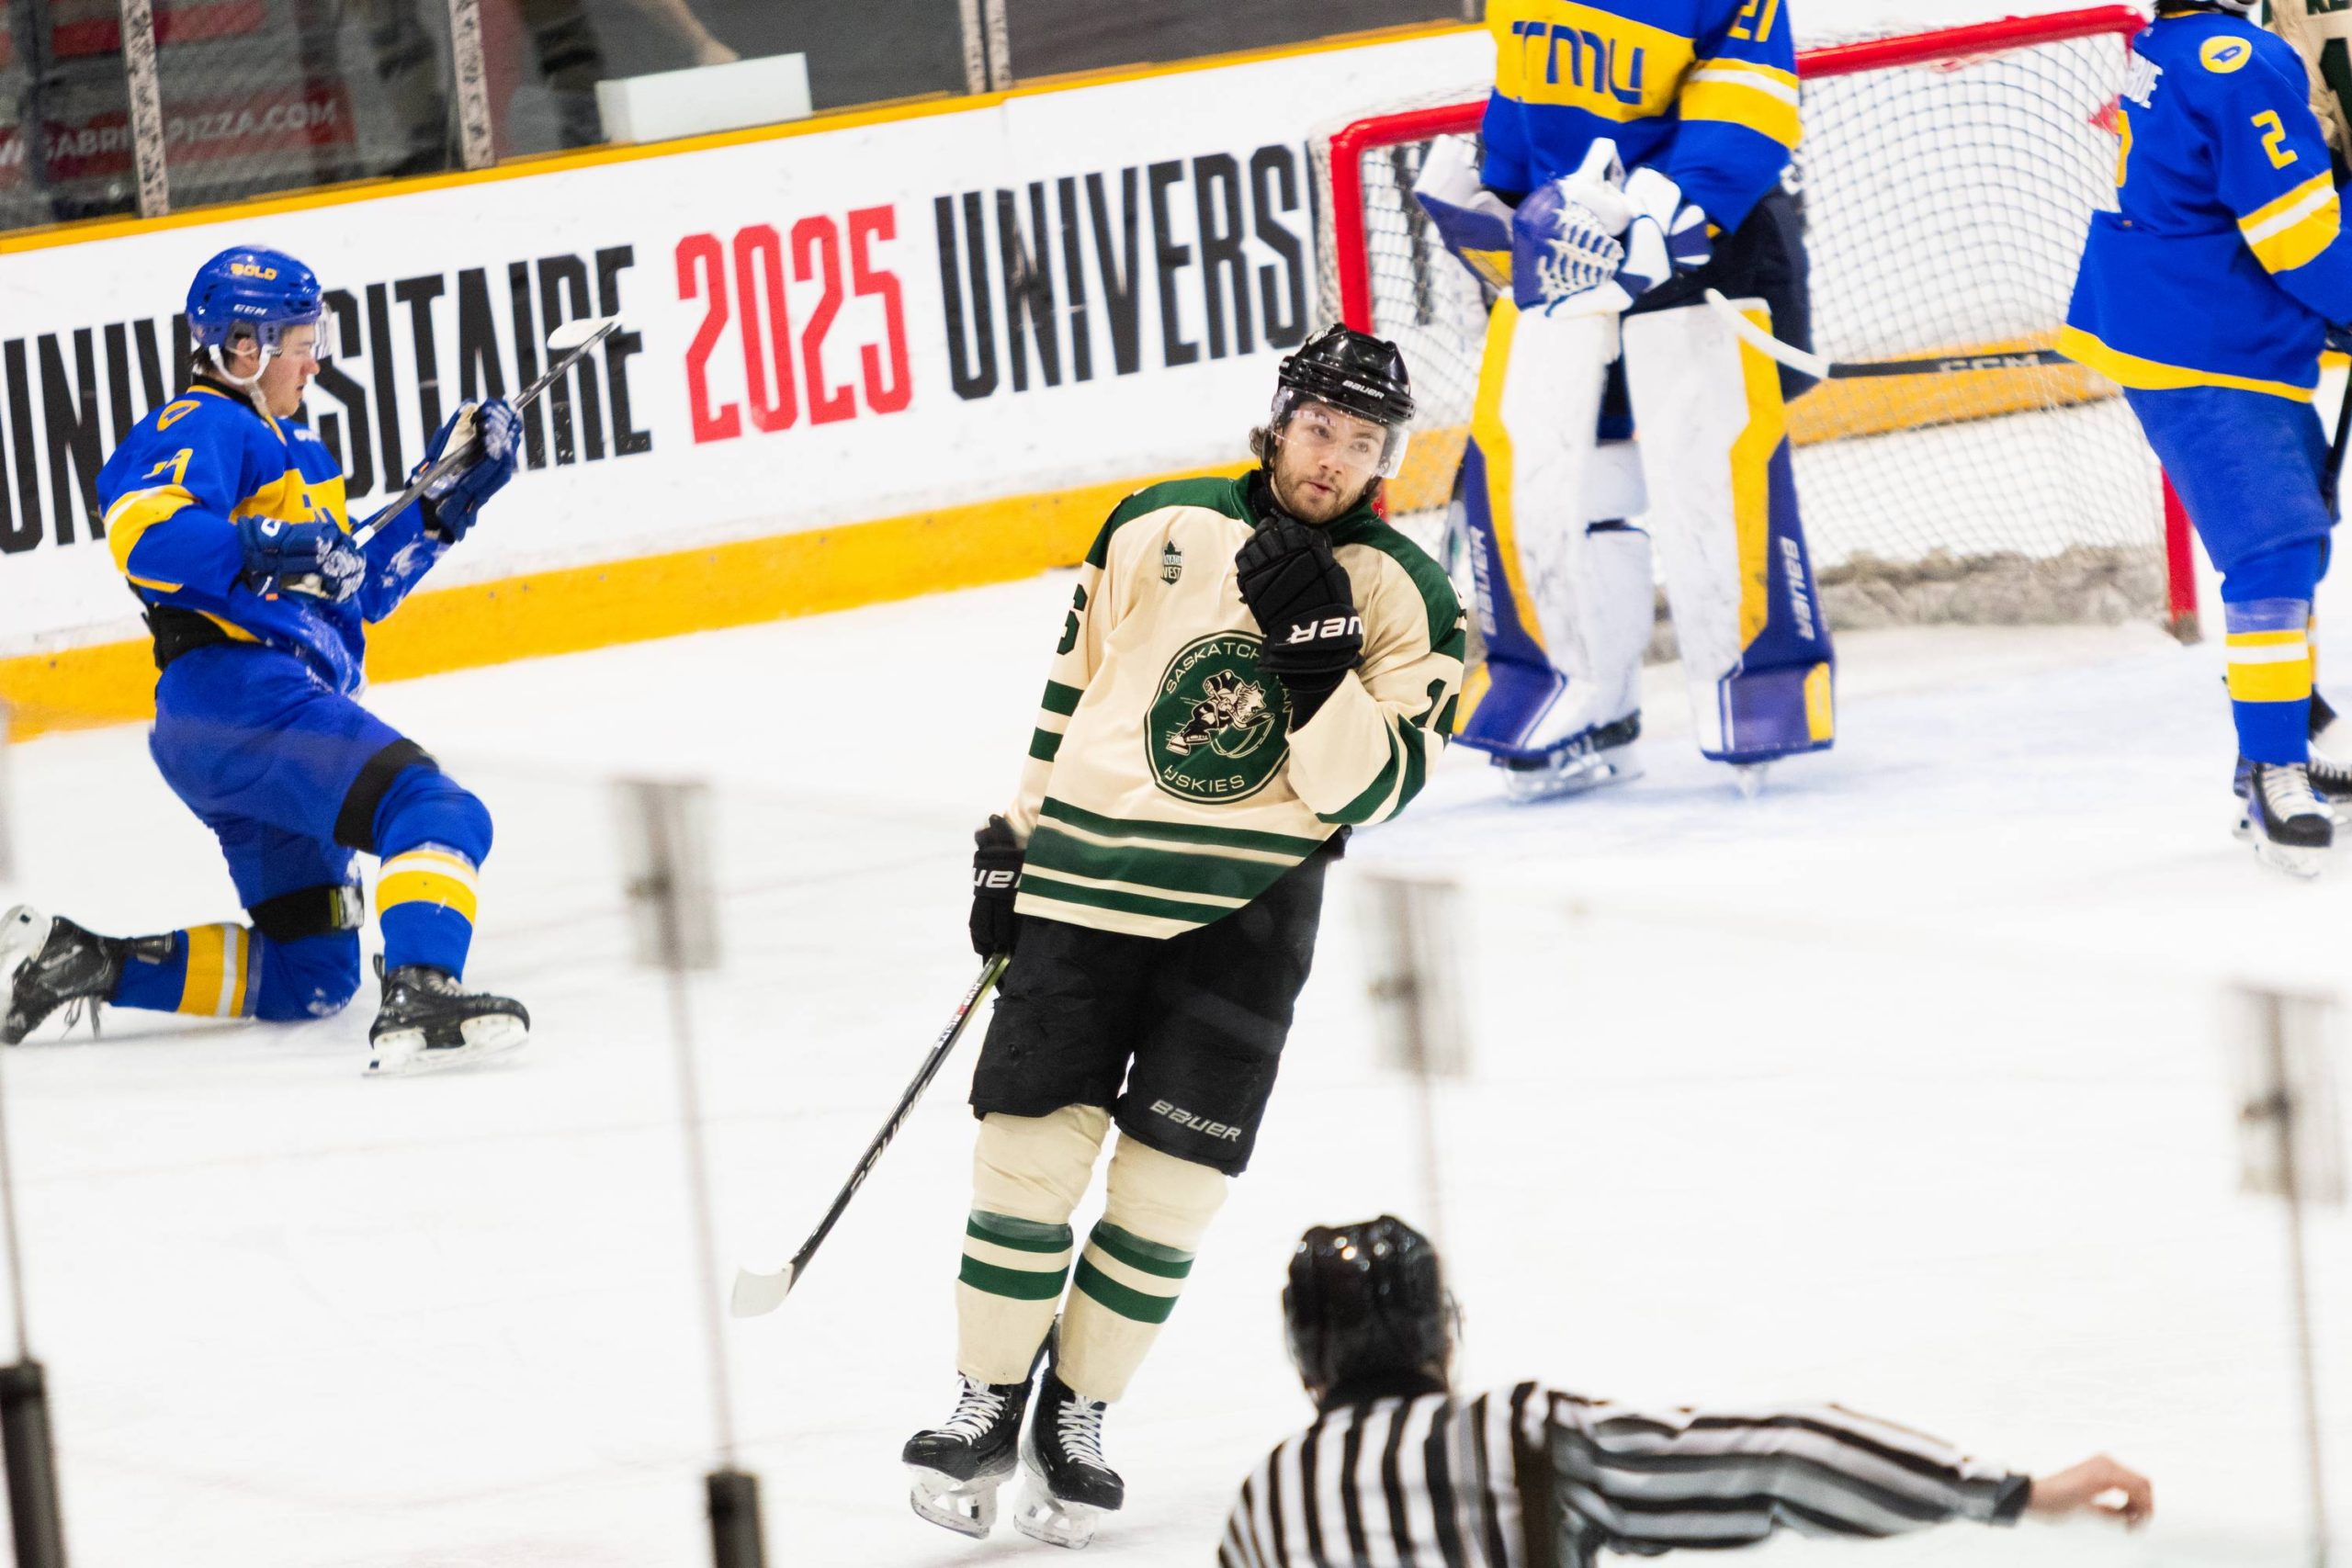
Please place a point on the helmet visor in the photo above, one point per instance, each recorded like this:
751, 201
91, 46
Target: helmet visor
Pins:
312, 336
1357, 447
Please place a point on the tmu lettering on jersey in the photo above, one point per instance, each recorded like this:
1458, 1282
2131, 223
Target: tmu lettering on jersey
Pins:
68, 398
744, 295
1030, 249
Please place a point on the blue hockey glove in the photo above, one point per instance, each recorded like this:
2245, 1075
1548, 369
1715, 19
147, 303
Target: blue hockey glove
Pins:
452, 500
1564, 237
312, 559
1668, 235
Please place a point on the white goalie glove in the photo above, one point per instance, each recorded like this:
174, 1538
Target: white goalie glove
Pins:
1603, 240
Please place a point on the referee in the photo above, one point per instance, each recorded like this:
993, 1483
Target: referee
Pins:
1396, 1470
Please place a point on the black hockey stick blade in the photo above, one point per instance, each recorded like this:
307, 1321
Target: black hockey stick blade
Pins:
1822, 368
570, 343
756, 1293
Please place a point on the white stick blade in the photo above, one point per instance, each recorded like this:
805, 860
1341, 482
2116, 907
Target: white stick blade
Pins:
571, 335
757, 1294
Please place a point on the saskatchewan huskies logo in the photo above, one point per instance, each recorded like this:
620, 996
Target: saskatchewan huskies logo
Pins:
1216, 730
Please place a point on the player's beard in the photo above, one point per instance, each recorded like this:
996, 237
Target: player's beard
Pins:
1313, 498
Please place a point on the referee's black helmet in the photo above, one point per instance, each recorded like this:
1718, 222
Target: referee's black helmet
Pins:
1366, 1299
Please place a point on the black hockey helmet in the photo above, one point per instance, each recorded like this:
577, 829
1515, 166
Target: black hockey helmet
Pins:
1366, 1299
1358, 374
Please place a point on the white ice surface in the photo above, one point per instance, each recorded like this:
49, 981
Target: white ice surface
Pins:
1823, 1099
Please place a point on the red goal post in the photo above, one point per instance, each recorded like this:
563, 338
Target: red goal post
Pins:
2005, 122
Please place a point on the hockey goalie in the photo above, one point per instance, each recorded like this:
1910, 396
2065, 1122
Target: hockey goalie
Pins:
1633, 153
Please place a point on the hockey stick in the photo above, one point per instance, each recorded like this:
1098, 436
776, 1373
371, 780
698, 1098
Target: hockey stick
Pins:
573, 341
1825, 369
2331, 480
757, 1294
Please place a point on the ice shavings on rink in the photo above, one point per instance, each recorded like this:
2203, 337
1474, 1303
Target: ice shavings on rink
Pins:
1902, 1085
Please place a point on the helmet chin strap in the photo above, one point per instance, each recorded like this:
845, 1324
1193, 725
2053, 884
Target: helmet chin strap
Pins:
249, 385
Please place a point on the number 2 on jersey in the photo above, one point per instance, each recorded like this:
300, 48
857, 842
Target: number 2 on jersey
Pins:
2274, 137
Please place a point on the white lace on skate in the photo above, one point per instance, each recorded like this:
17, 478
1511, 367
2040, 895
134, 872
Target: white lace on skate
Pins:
1078, 1428
2289, 827
977, 1408
2287, 794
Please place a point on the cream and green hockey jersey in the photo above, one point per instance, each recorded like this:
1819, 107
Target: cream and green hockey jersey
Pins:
2321, 31
1165, 787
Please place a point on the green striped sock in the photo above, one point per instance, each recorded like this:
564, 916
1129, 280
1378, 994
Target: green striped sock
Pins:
1137, 1279
1022, 1260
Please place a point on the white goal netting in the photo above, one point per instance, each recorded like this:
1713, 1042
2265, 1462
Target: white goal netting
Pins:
1947, 178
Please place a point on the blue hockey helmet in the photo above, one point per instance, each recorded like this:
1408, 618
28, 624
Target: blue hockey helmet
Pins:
249, 293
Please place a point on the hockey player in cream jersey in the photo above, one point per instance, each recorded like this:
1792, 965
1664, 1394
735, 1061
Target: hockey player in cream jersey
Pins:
1600, 326
1248, 668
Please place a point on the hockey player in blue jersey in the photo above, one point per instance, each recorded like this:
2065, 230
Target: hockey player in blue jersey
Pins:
2208, 295
1600, 327
226, 514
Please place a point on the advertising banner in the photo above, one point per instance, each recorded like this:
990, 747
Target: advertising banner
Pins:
885, 316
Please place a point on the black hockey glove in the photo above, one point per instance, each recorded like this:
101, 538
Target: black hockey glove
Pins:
996, 872
1304, 604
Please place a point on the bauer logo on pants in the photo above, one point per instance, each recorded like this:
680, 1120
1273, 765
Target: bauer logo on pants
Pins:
1216, 730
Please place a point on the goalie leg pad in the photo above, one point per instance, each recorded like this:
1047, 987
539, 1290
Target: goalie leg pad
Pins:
1564, 609
1755, 650
1028, 1173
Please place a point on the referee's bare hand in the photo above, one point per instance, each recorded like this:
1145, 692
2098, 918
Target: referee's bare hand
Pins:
2098, 1487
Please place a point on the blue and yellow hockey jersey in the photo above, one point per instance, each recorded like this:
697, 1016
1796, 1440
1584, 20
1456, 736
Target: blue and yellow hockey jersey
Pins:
2228, 258
171, 493
1703, 91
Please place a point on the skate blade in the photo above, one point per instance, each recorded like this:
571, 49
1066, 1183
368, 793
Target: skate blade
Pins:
401, 1052
1043, 1517
1578, 775
2293, 859
1749, 777
967, 1507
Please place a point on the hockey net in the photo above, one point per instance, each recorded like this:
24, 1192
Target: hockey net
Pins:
1948, 180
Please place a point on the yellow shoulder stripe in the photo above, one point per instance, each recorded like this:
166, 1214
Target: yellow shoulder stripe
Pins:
130, 517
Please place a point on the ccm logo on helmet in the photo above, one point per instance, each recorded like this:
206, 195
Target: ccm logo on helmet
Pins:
248, 269
1200, 1124
1338, 626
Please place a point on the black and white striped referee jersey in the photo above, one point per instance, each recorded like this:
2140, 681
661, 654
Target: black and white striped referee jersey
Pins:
1530, 1477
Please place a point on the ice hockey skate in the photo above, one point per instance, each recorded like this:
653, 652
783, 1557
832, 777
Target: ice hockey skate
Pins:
2331, 786
1590, 759
428, 1021
48, 964
1066, 1486
956, 1466
2284, 820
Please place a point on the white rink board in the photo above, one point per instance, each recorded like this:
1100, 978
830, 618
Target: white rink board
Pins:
851, 214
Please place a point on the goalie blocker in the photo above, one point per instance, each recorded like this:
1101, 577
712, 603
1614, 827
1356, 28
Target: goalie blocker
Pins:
1554, 481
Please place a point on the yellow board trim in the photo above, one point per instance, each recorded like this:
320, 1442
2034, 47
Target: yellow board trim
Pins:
2152, 376
577, 608
1751, 481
